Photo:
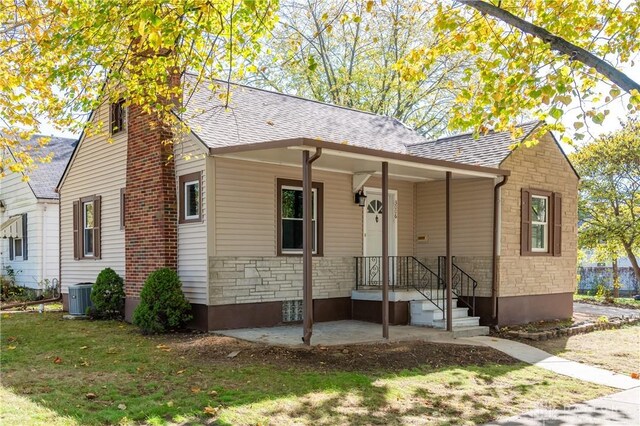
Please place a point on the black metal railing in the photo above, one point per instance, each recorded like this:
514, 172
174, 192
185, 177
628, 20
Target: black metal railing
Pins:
462, 284
405, 272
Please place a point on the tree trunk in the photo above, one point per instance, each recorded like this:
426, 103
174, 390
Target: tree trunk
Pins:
633, 260
616, 278
556, 43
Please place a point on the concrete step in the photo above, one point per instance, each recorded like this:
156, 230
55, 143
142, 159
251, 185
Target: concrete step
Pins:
428, 317
458, 322
427, 305
480, 330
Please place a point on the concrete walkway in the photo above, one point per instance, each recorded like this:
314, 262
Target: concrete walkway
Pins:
340, 333
603, 310
621, 408
557, 364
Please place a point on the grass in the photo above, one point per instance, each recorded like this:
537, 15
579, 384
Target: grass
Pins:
615, 350
50, 365
622, 302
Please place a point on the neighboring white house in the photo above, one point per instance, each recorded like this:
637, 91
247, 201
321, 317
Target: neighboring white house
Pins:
29, 217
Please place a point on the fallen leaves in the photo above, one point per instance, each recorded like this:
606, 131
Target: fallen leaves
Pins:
195, 390
57, 360
91, 396
164, 348
122, 407
635, 376
212, 411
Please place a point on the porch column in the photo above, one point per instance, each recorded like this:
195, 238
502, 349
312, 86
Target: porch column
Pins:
449, 265
386, 210
307, 244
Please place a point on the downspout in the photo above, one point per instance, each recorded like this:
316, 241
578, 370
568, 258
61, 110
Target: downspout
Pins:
43, 245
495, 285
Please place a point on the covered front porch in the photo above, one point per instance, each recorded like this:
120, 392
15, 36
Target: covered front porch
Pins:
390, 206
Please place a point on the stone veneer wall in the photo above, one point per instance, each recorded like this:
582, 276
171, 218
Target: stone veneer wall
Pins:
236, 280
539, 167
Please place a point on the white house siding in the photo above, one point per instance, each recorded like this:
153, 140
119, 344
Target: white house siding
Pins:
190, 157
50, 239
97, 168
19, 199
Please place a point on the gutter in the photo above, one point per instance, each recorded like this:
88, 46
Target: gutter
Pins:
495, 285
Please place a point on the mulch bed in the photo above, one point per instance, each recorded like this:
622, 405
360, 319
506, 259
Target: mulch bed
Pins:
366, 357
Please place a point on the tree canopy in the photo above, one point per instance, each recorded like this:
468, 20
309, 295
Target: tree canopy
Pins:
346, 53
609, 203
61, 59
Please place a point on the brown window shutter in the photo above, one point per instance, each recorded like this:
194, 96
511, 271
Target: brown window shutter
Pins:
525, 223
10, 248
97, 227
25, 238
557, 224
76, 230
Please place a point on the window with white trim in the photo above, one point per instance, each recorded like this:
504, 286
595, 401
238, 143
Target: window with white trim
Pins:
192, 200
88, 224
190, 197
539, 223
17, 249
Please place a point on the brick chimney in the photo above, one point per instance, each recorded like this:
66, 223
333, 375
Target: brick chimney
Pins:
151, 239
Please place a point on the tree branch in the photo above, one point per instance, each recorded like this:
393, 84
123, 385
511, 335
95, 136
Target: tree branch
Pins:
556, 43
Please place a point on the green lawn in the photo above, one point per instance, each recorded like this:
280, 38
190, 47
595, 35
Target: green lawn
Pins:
622, 302
58, 372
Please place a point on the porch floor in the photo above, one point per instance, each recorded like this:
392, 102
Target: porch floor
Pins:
340, 333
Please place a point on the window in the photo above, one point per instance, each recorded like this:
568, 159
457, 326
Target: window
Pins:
17, 249
191, 197
541, 223
118, 117
290, 221
18, 234
87, 228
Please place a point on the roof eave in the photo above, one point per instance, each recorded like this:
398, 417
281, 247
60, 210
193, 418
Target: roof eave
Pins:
316, 143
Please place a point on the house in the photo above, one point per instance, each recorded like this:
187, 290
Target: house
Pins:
227, 213
29, 238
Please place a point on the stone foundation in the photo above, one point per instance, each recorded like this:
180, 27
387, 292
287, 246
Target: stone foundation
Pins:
241, 280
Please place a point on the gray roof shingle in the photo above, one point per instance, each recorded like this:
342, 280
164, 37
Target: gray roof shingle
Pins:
488, 150
44, 178
257, 115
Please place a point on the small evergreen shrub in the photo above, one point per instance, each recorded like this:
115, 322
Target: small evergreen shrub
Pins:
163, 306
107, 296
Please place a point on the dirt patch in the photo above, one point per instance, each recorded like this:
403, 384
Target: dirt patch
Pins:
370, 357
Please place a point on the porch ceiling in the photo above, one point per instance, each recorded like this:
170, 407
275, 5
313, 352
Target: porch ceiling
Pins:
347, 159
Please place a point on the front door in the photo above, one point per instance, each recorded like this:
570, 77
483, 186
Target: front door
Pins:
372, 244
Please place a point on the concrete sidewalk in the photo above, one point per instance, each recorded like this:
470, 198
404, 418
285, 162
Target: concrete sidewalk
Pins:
557, 364
621, 408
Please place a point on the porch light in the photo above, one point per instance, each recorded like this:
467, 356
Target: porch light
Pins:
3, 208
360, 199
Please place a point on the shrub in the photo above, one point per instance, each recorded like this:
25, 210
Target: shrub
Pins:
163, 306
107, 295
